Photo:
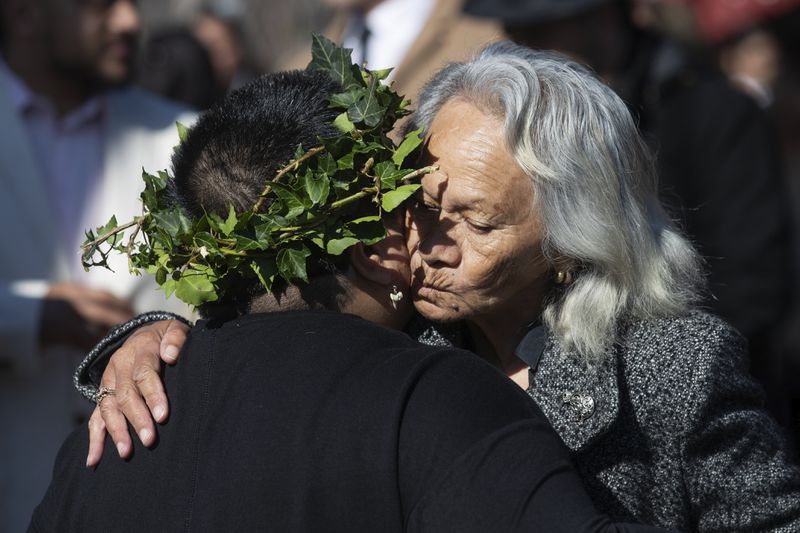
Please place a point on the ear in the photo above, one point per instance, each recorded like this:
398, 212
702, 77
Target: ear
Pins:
564, 264
385, 263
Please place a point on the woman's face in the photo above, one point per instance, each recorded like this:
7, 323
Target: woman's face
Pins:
474, 238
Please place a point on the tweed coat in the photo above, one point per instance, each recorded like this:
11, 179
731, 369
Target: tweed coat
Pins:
669, 430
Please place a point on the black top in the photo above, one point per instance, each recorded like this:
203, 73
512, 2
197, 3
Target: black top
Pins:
310, 421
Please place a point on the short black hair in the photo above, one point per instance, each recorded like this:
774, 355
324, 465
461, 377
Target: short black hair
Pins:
242, 141
237, 146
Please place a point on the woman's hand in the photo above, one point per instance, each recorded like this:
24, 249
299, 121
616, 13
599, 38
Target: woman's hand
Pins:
133, 373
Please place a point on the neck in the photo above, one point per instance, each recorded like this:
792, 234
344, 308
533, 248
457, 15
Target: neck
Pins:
33, 67
349, 297
497, 341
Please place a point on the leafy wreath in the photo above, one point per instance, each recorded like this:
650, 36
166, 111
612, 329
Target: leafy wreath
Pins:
306, 209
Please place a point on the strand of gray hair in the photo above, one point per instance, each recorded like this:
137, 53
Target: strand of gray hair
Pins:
595, 190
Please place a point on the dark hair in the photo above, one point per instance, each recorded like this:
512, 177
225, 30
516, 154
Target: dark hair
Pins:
175, 65
241, 143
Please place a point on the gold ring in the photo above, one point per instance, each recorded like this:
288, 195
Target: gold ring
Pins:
103, 392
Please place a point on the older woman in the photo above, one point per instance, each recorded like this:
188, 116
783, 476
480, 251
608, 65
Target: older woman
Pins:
541, 240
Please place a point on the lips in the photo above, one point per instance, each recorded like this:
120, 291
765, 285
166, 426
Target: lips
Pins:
427, 293
425, 289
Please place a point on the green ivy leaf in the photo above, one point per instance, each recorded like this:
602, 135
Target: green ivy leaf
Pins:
326, 164
195, 288
265, 269
229, 224
245, 244
107, 227
367, 109
292, 263
169, 287
368, 230
388, 174
183, 131
293, 204
346, 99
382, 74
343, 123
173, 222
396, 197
338, 246
410, 143
317, 188
326, 56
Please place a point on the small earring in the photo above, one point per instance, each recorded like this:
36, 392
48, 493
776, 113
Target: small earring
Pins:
563, 277
395, 296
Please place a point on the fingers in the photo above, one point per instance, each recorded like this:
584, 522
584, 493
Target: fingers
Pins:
139, 388
97, 437
147, 380
134, 373
113, 418
172, 341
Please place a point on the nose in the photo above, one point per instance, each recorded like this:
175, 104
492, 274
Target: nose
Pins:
124, 17
437, 243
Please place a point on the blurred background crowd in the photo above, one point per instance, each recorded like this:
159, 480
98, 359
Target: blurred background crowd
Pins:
714, 84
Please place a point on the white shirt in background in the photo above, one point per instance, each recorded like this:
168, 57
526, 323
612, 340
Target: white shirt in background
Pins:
393, 27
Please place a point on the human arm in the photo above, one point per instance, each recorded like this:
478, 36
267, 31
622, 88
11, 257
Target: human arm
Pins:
128, 359
739, 473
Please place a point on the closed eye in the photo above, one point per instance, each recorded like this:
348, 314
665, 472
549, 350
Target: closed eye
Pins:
479, 227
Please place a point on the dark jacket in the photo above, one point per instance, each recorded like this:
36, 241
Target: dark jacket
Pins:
313, 421
669, 431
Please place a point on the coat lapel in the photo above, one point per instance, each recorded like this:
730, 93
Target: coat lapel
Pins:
580, 401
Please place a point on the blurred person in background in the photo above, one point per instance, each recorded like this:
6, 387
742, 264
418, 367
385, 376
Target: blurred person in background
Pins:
218, 28
718, 162
74, 140
418, 37
751, 61
738, 32
177, 66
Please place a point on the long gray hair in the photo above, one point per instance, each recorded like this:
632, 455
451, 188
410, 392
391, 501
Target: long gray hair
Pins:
595, 190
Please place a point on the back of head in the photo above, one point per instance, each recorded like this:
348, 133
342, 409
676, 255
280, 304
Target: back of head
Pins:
240, 144
595, 188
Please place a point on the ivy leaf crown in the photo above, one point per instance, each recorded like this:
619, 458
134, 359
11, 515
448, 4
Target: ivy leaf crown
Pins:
312, 208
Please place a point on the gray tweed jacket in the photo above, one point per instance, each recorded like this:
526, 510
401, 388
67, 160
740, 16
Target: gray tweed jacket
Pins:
668, 431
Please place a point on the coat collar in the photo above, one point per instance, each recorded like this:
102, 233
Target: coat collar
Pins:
580, 401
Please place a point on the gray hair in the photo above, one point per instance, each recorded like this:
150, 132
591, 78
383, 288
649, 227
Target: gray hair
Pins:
594, 188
